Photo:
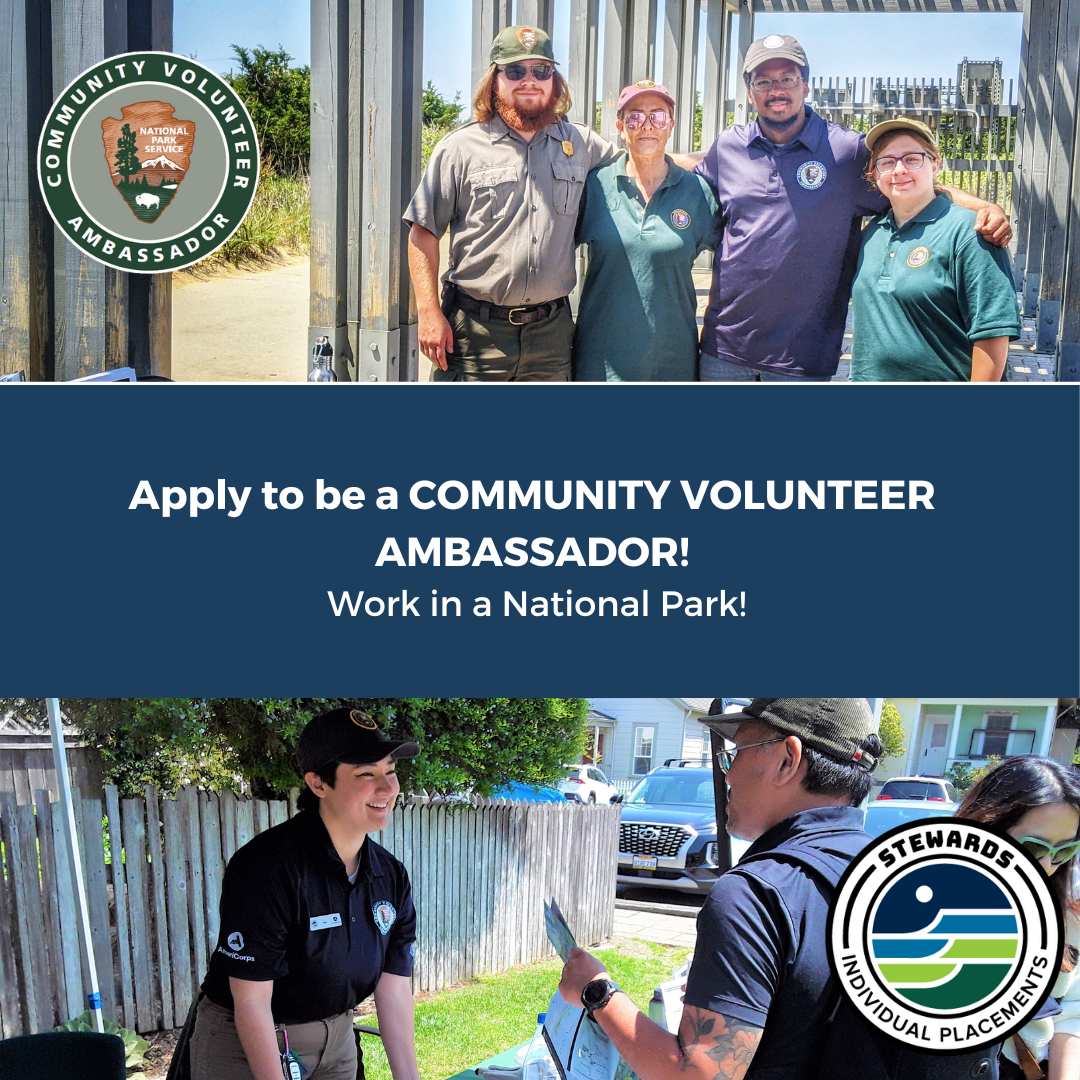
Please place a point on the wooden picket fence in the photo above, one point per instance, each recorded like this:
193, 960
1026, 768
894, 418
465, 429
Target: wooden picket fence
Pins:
480, 873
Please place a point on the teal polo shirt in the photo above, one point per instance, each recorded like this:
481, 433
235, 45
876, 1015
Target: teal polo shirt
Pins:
924, 292
638, 314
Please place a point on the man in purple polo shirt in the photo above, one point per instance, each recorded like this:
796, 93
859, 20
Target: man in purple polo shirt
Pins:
792, 193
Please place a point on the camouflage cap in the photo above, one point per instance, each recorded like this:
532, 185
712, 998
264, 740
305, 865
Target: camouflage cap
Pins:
521, 43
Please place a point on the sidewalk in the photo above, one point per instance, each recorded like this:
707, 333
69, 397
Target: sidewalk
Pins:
651, 922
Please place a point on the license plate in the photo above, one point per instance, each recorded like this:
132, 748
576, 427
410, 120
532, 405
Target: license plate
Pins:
644, 862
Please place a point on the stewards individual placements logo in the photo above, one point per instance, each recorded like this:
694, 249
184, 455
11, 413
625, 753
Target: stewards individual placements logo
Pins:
945, 935
148, 162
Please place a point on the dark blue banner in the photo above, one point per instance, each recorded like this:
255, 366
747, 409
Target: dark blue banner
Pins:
632, 540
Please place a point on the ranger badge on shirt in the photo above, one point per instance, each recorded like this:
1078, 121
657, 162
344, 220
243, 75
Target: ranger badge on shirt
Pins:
918, 256
384, 915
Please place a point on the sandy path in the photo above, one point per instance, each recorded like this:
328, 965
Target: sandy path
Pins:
243, 326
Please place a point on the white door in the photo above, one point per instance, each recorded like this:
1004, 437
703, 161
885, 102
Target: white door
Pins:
934, 749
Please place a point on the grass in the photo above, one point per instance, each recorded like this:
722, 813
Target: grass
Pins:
459, 1027
277, 225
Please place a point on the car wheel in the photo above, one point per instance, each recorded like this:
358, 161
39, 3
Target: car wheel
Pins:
592, 797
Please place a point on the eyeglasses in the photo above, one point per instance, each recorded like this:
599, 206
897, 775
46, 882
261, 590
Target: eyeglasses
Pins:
517, 72
912, 162
658, 118
726, 757
788, 82
1058, 855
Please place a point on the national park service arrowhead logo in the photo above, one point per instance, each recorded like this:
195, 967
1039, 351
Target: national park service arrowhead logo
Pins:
527, 36
148, 151
123, 174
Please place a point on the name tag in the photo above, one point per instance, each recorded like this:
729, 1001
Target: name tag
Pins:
324, 922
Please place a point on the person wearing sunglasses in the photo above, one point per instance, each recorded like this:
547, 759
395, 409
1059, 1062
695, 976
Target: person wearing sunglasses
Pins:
645, 220
1036, 800
507, 186
757, 995
792, 197
933, 300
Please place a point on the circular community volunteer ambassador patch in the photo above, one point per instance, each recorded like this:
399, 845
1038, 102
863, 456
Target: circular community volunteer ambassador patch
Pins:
811, 175
148, 162
918, 257
680, 219
945, 936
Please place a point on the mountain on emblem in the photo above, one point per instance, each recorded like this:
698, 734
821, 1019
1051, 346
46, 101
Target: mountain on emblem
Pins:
148, 152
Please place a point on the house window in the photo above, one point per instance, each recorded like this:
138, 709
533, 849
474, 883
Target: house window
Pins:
996, 739
643, 750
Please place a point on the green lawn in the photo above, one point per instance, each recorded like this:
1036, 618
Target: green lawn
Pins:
457, 1028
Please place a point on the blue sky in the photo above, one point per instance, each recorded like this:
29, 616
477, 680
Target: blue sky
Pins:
861, 45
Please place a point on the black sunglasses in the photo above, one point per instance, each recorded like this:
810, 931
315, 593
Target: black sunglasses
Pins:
517, 72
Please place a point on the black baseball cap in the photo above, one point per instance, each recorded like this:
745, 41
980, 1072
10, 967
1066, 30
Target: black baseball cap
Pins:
348, 735
837, 727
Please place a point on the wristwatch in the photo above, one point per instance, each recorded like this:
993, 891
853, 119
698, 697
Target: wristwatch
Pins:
597, 994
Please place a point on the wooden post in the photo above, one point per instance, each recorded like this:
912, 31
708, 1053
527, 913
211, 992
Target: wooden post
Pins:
746, 36
642, 41
582, 69
62, 314
681, 21
1042, 50
617, 16
717, 39
329, 179
1062, 136
365, 163
489, 19
536, 13
1068, 358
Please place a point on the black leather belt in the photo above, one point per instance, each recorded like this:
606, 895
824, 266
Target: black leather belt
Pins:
516, 316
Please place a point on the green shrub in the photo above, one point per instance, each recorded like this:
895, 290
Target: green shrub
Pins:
279, 99
135, 1046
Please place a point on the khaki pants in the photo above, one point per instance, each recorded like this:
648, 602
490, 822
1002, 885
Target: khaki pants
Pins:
495, 350
327, 1048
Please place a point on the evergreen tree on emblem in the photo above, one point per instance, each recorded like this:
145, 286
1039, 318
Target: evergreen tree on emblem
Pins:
127, 161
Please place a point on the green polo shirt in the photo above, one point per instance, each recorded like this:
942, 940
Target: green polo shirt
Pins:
638, 314
924, 292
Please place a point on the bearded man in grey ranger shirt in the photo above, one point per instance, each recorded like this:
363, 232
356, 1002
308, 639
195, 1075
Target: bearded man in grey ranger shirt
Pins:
508, 187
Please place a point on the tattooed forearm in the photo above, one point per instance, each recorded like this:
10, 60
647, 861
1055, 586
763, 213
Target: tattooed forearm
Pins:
729, 1044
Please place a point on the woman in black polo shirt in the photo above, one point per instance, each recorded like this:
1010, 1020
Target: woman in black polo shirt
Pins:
315, 916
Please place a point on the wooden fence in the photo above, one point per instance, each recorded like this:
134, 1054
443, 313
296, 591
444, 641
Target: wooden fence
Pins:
480, 874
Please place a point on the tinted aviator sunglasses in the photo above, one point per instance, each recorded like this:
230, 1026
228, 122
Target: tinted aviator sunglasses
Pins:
636, 119
517, 72
1039, 849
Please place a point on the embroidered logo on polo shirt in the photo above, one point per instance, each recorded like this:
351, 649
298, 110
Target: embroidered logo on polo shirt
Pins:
918, 257
236, 941
680, 219
527, 36
385, 915
811, 175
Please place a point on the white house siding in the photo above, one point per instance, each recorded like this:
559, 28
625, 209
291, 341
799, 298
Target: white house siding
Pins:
675, 733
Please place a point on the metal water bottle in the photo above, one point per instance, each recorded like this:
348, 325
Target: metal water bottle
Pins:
322, 362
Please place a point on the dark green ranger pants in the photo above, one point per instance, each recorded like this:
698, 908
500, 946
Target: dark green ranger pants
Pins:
495, 350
